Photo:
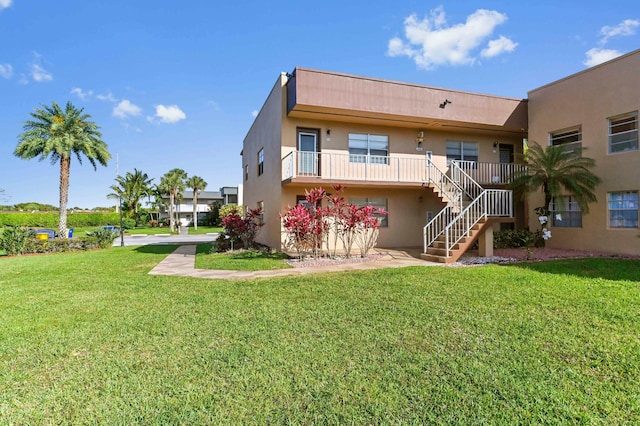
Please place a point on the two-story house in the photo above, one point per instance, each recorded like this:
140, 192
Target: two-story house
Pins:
438, 160
184, 207
424, 154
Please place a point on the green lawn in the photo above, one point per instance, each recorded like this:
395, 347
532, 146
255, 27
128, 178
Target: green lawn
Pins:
90, 338
240, 260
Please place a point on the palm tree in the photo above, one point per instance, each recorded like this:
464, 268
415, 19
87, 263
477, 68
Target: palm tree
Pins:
557, 171
197, 184
173, 183
59, 134
131, 188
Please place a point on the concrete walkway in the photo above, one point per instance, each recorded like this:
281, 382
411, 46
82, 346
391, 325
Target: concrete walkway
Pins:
182, 263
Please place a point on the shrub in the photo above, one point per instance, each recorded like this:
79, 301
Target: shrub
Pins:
103, 238
153, 223
51, 220
513, 238
128, 223
242, 230
14, 240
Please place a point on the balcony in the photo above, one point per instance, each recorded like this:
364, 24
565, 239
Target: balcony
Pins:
304, 166
492, 174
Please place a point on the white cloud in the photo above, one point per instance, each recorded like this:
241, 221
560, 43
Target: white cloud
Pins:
170, 113
431, 42
126, 109
624, 28
79, 93
498, 46
597, 56
4, 4
255, 113
6, 70
39, 74
108, 97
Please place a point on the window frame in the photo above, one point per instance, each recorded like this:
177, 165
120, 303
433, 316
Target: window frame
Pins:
569, 138
367, 157
569, 209
246, 172
619, 121
461, 147
383, 219
260, 161
621, 209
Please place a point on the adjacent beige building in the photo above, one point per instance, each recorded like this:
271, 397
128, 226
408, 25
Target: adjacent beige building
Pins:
438, 160
596, 109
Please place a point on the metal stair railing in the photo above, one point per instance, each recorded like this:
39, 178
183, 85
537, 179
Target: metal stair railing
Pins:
445, 185
491, 202
457, 225
472, 188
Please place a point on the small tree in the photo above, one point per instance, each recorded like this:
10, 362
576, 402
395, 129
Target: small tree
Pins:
556, 171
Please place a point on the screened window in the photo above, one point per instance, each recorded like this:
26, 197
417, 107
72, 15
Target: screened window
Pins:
623, 209
378, 203
462, 151
569, 139
260, 161
365, 148
565, 212
623, 133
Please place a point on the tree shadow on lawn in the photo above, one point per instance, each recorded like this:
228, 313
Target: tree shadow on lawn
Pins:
604, 268
157, 248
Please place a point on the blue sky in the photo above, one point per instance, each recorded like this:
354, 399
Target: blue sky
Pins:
177, 84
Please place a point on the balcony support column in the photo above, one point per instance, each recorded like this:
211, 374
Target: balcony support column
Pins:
485, 242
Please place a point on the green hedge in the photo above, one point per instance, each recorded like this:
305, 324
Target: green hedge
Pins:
50, 220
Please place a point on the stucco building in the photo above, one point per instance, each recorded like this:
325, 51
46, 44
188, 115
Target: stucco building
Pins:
438, 160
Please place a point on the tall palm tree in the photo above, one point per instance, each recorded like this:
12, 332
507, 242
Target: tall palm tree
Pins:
173, 183
197, 184
557, 171
131, 188
59, 134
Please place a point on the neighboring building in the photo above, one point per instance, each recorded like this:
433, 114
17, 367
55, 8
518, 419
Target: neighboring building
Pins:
414, 149
596, 109
184, 208
392, 145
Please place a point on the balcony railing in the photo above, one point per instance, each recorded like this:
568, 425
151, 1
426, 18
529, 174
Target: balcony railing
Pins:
490, 173
324, 165
353, 167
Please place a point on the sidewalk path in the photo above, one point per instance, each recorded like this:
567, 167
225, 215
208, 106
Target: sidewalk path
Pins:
182, 263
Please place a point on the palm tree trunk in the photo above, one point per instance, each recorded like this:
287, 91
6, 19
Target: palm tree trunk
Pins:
64, 196
195, 210
172, 221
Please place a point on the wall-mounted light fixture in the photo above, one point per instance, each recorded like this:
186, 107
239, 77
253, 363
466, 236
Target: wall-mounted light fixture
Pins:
444, 104
495, 146
420, 199
419, 140
328, 135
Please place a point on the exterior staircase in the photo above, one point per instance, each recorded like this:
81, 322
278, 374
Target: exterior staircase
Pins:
466, 215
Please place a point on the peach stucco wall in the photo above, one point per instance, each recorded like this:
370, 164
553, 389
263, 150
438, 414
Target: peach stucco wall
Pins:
588, 99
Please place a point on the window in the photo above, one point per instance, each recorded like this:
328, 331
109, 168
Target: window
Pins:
623, 209
462, 151
623, 133
260, 161
365, 148
246, 172
565, 212
378, 203
569, 139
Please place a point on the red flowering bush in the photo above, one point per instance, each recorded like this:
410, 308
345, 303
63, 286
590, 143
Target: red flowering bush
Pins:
311, 227
238, 229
